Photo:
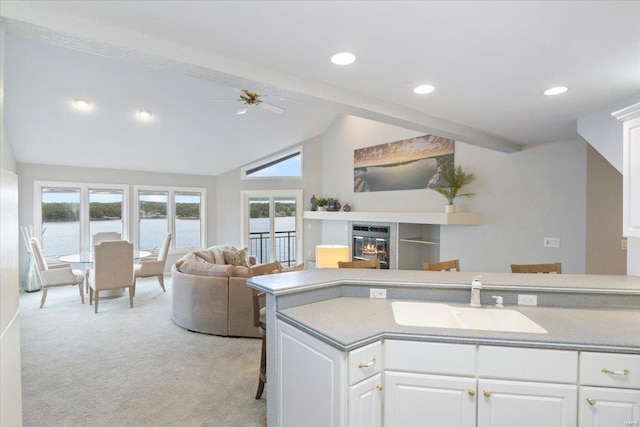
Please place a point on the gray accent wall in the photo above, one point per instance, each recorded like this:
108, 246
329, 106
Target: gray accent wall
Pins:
524, 197
604, 253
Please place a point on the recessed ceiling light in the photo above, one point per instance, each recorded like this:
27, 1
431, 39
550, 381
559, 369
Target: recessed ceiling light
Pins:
343, 58
144, 114
556, 90
423, 89
82, 104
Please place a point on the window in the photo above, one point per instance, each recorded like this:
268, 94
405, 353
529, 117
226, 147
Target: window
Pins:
284, 165
67, 214
176, 210
271, 225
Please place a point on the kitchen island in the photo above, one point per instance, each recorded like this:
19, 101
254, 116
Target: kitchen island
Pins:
329, 313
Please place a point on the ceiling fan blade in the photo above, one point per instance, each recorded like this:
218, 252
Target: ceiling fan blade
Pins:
271, 108
242, 110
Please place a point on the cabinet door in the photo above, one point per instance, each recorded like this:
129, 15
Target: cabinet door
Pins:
609, 407
311, 381
419, 400
526, 404
365, 403
631, 178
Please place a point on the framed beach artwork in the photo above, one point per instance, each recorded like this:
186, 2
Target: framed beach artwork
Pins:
408, 164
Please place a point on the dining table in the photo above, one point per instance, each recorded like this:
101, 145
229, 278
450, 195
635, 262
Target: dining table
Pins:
87, 261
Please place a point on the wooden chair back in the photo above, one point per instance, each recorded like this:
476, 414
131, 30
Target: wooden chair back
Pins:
368, 263
259, 297
555, 267
442, 266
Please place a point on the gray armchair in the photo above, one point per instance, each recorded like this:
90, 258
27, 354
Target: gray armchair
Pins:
55, 275
153, 267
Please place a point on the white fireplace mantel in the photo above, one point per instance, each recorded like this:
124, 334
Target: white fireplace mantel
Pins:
442, 218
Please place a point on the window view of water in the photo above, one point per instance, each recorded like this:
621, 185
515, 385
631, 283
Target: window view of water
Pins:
63, 238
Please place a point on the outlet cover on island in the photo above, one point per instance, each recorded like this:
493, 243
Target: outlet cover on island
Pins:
527, 300
377, 293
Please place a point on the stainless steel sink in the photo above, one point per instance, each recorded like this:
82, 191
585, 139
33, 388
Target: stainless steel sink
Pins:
438, 315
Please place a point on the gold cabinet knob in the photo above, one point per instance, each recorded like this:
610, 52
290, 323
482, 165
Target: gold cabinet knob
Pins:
591, 401
471, 392
486, 393
379, 387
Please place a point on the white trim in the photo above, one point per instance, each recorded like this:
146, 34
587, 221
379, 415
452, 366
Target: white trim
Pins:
245, 195
84, 187
299, 149
171, 191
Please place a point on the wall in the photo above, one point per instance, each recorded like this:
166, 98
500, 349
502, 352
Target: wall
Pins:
230, 186
526, 196
31, 172
604, 253
10, 362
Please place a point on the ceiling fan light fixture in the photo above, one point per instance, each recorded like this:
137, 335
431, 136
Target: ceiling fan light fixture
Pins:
82, 104
144, 114
557, 90
343, 58
423, 89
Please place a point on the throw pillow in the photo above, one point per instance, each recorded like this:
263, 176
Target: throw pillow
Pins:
206, 269
206, 256
188, 257
238, 258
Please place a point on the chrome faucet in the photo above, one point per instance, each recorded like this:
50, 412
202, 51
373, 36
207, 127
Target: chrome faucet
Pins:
476, 285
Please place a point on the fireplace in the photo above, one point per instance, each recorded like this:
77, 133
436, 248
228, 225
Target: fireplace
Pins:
370, 242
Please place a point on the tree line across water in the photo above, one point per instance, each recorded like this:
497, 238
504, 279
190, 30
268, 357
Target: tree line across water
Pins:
261, 210
56, 212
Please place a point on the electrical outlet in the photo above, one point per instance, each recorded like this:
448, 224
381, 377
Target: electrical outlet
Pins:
527, 300
551, 242
377, 293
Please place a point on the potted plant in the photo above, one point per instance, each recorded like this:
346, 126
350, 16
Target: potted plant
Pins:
454, 178
320, 203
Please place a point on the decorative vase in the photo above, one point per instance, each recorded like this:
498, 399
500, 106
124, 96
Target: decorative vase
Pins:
450, 208
313, 204
346, 207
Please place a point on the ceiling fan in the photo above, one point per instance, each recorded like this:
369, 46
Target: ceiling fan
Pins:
249, 97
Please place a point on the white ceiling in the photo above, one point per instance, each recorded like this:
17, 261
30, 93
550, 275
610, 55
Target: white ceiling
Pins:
489, 62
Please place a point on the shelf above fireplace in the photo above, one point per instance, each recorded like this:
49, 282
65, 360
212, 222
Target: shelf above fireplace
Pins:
458, 218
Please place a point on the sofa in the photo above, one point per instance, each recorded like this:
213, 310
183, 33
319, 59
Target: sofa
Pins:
210, 293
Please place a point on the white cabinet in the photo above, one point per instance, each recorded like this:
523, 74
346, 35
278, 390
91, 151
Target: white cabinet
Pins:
310, 379
608, 407
429, 384
630, 117
526, 404
413, 399
365, 403
523, 386
609, 389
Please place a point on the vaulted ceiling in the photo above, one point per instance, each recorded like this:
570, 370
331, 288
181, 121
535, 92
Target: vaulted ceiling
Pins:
187, 60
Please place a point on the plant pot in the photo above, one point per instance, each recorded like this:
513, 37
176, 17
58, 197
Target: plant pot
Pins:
450, 208
321, 209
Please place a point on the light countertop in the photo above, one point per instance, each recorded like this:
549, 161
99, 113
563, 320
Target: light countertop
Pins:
348, 323
292, 282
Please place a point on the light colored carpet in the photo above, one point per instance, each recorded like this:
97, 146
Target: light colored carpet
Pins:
131, 367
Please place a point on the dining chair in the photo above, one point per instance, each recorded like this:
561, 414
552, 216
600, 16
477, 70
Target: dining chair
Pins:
367, 263
259, 318
96, 239
555, 267
56, 274
113, 269
442, 265
153, 267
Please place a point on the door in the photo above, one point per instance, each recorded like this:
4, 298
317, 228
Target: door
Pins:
525, 404
365, 403
271, 225
428, 400
601, 406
